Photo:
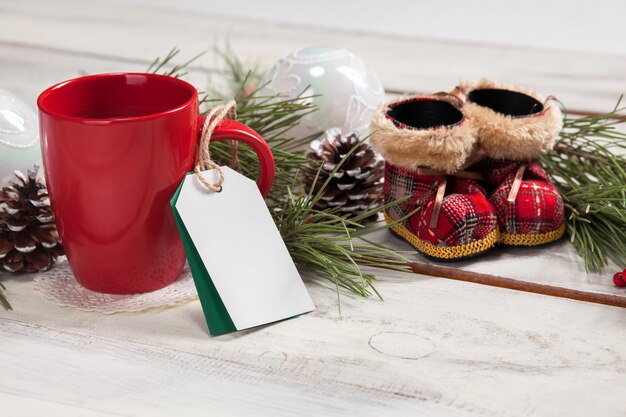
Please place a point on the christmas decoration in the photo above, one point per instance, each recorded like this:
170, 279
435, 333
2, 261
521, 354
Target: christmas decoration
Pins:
515, 127
587, 165
426, 143
594, 203
344, 90
618, 279
331, 245
19, 140
353, 188
28, 237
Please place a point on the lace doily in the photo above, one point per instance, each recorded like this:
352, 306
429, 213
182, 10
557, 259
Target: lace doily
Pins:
59, 285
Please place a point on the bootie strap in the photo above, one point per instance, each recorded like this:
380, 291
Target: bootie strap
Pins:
517, 182
441, 188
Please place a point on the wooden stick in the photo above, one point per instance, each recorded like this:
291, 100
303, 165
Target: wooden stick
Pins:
513, 284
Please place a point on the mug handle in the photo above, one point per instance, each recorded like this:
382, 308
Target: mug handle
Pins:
232, 130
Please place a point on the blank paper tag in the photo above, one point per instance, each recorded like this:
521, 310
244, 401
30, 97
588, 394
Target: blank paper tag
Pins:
243, 272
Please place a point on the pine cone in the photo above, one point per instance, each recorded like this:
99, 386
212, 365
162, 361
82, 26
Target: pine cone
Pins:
357, 185
29, 241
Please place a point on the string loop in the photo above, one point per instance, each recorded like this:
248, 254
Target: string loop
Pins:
213, 119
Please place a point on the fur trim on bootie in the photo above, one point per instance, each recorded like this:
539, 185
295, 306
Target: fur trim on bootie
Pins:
513, 122
423, 131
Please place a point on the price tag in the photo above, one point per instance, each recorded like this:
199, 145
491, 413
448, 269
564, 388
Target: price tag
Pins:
242, 269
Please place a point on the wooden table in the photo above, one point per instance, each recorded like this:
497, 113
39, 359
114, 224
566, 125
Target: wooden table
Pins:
434, 347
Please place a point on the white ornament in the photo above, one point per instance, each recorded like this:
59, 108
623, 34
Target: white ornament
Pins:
348, 92
19, 136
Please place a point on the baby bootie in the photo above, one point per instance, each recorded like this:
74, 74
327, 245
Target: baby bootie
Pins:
426, 142
515, 127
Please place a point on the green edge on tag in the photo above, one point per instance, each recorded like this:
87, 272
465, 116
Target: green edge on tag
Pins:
215, 313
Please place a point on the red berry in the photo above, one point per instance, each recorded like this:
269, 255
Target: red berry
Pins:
618, 280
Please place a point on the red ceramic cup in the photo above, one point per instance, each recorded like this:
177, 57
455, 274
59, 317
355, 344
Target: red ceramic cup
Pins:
115, 148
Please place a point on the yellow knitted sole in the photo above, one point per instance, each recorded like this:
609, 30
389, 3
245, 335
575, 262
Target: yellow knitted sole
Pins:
532, 239
445, 252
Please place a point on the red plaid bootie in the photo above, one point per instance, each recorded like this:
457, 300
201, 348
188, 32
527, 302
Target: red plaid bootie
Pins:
426, 142
515, 127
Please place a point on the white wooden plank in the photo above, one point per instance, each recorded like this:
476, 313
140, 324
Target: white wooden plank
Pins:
435, 346
27, 71
114, 29
124, 378
481, 21
474, 349
527, 264
14, 405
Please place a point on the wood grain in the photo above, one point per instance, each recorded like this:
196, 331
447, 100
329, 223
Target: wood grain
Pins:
434, 347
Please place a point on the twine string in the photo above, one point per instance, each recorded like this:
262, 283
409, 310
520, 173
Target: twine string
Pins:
234, 156
234, 150
213, 119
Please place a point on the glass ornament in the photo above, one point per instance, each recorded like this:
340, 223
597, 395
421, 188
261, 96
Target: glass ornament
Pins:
19, 136
346, 92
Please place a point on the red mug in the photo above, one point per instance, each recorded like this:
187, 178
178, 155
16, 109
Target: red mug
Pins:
115, 148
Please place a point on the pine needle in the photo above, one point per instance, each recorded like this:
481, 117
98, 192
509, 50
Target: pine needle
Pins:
4, 302
589, 168
327, 243
589, 174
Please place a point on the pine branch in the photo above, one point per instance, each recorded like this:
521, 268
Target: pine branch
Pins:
158, 66
332, 246
242, 79
4, 302
590, 176
589, 167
